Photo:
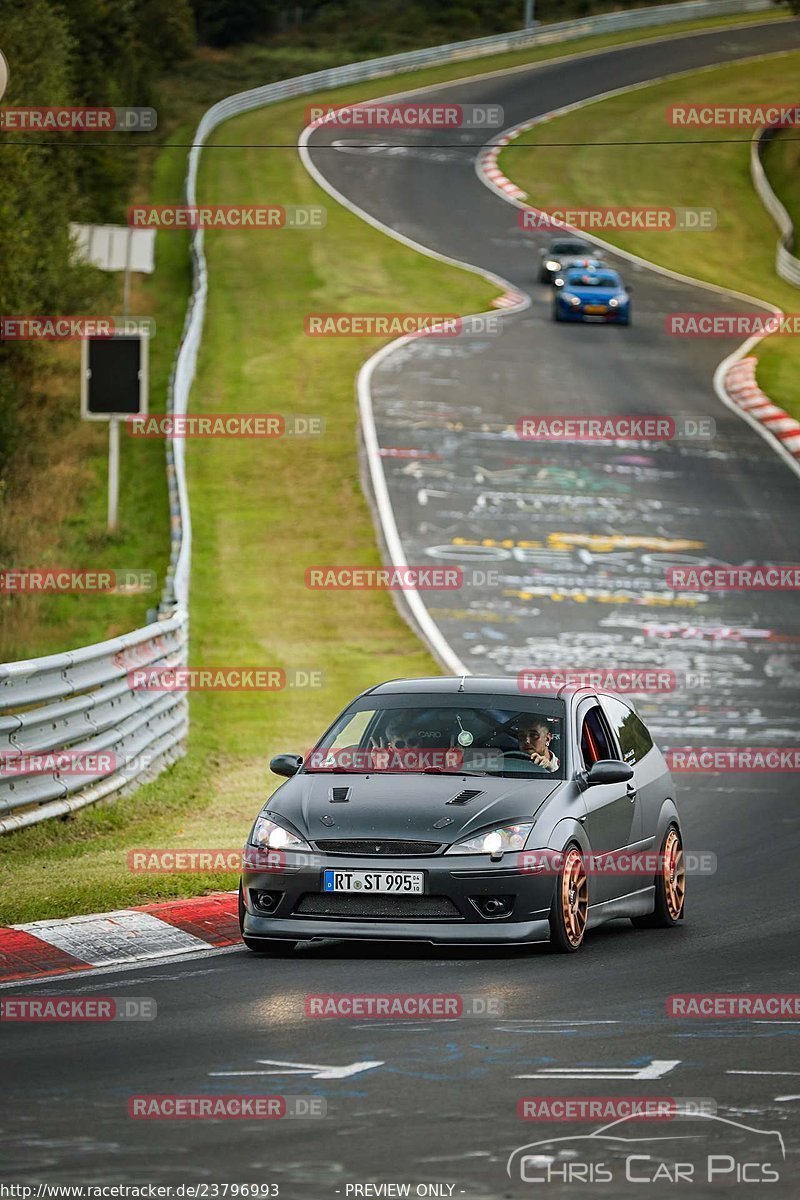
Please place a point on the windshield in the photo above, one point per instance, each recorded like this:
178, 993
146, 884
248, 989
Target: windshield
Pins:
445, 735
605, 280
569, 248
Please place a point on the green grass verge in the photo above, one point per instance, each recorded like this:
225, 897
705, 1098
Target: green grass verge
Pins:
778, 370
667, 171
781, 159
261, 512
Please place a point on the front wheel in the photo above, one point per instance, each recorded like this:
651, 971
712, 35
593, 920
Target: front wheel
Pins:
670, 885
570, 905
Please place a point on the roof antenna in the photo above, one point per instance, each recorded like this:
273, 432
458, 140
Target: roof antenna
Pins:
461, 684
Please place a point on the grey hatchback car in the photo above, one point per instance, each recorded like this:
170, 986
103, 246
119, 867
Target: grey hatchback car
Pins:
464, 810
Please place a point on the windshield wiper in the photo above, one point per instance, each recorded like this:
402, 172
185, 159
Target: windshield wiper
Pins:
441, 771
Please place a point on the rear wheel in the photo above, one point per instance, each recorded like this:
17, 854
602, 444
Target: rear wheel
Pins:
670, 885
276, 947
570, 905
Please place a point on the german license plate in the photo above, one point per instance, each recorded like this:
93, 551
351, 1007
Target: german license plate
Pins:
404, 883
595, 308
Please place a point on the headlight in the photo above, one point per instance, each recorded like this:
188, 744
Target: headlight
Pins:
570, 299
493, 841
272, 836
613, 303
552, 265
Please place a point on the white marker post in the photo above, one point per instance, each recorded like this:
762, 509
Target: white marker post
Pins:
113, 473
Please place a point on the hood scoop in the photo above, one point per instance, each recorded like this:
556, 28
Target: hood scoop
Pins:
465, 796
339, 795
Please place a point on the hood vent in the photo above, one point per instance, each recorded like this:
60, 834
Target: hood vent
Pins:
465, 796
339, 795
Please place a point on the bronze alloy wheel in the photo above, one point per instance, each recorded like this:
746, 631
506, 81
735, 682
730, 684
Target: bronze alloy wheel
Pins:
674, 874
574, 896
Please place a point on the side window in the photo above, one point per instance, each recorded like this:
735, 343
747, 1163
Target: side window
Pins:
594, 740
631, 733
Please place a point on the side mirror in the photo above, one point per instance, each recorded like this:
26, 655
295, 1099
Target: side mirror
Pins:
609, 770
286, 764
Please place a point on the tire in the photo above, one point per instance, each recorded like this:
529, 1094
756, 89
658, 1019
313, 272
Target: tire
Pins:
670, 885
544, 277
556, 314
276, 947
570, 905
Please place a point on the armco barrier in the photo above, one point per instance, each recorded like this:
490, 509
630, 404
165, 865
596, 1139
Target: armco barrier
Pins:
786, 264
80, 700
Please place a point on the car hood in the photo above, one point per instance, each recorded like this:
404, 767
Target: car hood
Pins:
595, 295
404, 806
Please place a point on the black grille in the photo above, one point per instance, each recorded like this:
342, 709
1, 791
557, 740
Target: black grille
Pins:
392, 908
376, 846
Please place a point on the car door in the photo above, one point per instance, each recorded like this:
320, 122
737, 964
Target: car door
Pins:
612, 816
649, 769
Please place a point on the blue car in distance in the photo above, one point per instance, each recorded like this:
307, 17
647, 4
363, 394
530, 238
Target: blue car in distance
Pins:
591, 294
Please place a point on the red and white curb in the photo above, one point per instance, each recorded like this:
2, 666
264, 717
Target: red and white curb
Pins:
487, 164
509, 299
740, 384
129, 935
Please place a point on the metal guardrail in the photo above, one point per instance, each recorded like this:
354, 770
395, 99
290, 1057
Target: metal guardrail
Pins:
80, 701
787, 264
80, 704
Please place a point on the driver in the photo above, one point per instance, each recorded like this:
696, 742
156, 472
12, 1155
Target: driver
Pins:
535, 735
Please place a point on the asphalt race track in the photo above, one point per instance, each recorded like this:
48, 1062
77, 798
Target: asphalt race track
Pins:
430, 1102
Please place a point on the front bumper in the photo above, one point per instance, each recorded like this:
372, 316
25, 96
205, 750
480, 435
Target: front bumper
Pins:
455, 885
569, 312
